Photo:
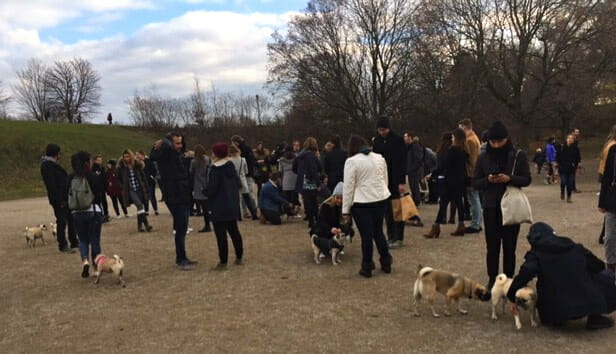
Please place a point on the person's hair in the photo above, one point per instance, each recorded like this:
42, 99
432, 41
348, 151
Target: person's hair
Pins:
311, 144
485, 136
80, 162
460, 138
570, 135
288, 152
97, 157
274, 176
466, 123
141, 152
234, 150
297, 142
335, 139
550, 140
445, 144
199, 155
237, 139
355, 143
129, 152
52, 150
612, 135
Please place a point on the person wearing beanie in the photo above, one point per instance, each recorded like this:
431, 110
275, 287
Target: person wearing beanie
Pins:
271, 203
493, 173
329, 222
168, 153
393, 149
56, 183
223, 192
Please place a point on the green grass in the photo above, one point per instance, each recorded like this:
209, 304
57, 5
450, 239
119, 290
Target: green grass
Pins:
23, 143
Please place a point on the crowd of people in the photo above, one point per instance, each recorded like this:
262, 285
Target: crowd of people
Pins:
336, 188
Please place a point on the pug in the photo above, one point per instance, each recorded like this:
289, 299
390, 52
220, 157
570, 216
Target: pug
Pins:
54, 229
113, 265
453, 286
33, 233
327, 246
525, 298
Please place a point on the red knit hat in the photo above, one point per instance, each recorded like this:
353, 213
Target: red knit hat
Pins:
221, 150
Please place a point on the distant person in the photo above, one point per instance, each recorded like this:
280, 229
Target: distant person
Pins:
86, 192
79, 118
550, 157
150, 172
429, 166
114, 188
109, 118
199, 172
391, 146
415, 171
134, 187
248, 154
472, 147
289, 178
333, 163
571, 281
56, 183
297, 147
99, 170
271, 203
365, 197
577, 137
223, 203
308, 169
567, 161
174, 178
539, 160
242, 170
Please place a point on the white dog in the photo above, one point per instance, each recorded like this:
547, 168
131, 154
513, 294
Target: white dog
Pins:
525, 298
33, 233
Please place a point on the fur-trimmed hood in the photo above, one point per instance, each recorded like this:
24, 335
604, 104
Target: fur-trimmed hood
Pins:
137, 163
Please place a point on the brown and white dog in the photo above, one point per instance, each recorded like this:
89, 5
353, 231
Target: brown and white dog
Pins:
113, 265
328, 246
454, 286
525, 298
33, 233
54, 229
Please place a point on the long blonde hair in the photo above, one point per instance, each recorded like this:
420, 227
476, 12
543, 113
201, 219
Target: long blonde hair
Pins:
132, 156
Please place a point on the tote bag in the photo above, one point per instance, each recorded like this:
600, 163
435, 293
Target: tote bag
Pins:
515, 206
404, 208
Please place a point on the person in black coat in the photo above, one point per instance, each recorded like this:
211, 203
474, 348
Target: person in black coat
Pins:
333, 163
56, 183
99, 170
150, 175
391, 146
174, 181
308, 169
330, 217
572, 282
454, 184
493, 174
222, 192
567, 160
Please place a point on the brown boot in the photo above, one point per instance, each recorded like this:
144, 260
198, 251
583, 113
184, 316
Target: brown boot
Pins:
435, 232
459, 231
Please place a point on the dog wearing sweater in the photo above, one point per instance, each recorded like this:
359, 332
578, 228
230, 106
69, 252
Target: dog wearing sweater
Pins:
113, 265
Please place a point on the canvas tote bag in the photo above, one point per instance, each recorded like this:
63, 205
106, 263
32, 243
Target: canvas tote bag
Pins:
404, 208
515, 206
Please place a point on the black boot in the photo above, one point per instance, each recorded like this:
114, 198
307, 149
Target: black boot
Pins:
386, 264
599, 322
490, 284
140, 223
147, 225
366, 269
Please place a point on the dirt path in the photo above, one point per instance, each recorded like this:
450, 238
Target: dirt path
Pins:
279, 301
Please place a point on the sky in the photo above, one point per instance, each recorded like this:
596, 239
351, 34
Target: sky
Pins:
135, 44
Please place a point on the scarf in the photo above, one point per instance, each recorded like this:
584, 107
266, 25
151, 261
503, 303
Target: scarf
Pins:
500, 156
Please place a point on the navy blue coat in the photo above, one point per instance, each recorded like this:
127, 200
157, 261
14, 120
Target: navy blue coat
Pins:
223, 191
570, 280
306, 164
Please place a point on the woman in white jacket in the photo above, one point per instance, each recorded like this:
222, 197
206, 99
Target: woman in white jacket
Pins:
365, 197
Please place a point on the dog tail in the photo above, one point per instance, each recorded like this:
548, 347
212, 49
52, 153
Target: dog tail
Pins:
118, 259
417, 289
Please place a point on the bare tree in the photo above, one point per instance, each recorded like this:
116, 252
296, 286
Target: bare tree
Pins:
74, 88
197, 100
31, 92
4, 101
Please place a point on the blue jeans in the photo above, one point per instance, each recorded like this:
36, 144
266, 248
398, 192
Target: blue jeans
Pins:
476, 211
88, 226
567, 181
180, 213
369, 221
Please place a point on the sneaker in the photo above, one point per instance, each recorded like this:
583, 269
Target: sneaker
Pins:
599, 322
184, 266
190, 229
67, 250
85, 272
221, 266
395, 244
569, 200
119, 217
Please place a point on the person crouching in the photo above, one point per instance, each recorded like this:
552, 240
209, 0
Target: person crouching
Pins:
271, 202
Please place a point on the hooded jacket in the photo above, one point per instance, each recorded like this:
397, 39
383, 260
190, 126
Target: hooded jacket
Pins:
393, 150
222, 192
55, 179
568, 159
569, 285
174, 177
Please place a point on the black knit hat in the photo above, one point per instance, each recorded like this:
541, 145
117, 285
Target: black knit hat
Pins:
498, 131
383, 122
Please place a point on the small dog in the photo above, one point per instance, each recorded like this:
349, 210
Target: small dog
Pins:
33, 233
328, 246
113, 265
54, 229
454, 286
525, 298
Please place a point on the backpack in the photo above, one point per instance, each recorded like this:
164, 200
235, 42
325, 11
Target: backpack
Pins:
80, 196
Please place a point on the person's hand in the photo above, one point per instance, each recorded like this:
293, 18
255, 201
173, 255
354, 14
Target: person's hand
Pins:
158, 144
602, 211
513, 308
492, 179
402, 188
503, 178
346, 218
429, 177
335, 231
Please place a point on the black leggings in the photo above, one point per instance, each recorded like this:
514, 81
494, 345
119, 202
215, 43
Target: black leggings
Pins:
311, 207
441, 217
204, 209
114, 201
220, 229
497, 235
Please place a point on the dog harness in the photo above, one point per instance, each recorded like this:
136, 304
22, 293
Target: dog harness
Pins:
101, 260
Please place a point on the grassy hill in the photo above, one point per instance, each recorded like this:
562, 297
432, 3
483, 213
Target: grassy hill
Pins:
23, 143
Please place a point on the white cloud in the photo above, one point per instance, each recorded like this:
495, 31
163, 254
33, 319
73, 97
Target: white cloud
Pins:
224, 48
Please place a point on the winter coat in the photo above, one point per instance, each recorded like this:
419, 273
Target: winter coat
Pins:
306, 165
569, 285
150, 171
430, 161
246, 152
124, 175
55, 179
550, 153
113, 185
365, 180
455, 169
539, 158
473, 146
241, 169
499, 161
200, 175
270, 199
415, 160
330, 216
568, 159
96, 185
174, 177
333, 166
393, 150
223, 191
607, 179
289, 178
